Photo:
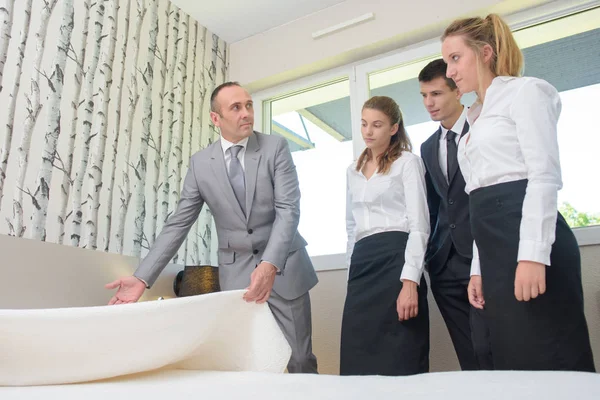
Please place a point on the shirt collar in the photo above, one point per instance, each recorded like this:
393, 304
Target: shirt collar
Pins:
503, 78
226, 144
458, 125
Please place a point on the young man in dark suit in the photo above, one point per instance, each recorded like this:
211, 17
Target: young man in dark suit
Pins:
450, 247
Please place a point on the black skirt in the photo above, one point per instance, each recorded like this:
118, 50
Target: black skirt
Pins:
373, 341
546, 333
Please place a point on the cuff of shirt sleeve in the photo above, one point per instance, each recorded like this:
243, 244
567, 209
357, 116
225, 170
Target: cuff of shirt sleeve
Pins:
411, 273
531, 250
145, 283
475, 267
276, 267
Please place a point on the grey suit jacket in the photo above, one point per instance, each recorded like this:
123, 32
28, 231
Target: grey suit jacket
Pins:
268, 232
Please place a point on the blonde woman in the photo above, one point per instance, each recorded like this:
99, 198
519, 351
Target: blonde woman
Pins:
526, 268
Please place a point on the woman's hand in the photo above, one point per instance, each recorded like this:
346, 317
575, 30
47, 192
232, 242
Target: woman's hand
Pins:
530, 280
407, 304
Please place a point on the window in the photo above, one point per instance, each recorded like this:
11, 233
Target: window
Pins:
317, 126
565, 52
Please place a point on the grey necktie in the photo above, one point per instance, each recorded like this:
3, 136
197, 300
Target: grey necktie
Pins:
236, 177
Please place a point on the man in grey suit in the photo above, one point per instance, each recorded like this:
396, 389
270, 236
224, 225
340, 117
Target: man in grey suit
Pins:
249, 182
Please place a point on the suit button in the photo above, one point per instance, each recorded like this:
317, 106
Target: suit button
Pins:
250, 231
452, 226
451, 201
254, 251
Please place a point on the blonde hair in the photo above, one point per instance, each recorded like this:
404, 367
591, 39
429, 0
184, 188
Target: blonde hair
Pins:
507, 59
399, 141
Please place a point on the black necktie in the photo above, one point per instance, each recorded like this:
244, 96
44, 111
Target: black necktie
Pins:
451, 147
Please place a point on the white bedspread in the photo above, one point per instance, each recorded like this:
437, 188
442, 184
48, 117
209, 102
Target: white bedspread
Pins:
481, 385
216, 331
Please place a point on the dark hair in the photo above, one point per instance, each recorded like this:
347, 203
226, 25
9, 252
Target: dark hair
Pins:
213, 104
399, 142
436, 69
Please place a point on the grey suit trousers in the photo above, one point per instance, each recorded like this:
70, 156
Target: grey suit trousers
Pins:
294, 319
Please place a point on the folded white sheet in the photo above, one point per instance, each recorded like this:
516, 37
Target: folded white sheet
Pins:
218, 331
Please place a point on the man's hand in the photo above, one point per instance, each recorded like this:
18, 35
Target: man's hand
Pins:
475, 291
407, 304
261, 283
130, 290
530, 280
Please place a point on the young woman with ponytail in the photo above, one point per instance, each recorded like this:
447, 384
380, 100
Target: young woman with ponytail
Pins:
526, 268
385, 326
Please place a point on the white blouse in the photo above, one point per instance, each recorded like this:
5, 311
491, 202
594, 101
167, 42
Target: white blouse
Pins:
513, 136
396, 201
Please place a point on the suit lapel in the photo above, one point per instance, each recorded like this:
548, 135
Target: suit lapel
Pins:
251, 160
435, 161
452, 173
217, 163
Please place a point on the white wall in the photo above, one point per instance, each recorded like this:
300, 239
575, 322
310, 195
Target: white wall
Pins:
37, 274
289, 52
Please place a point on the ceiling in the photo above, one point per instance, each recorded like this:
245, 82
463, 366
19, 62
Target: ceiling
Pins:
234, 20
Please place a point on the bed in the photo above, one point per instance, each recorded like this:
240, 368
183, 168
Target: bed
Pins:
214, 347
180, 384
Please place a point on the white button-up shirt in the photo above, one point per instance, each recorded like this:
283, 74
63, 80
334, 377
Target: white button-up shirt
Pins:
513, 136
396, 201
225, 144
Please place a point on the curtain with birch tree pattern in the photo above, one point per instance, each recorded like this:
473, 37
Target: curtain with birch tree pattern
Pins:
104, 103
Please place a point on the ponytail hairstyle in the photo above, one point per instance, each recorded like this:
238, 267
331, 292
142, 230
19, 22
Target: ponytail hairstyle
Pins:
399, 141
507, 59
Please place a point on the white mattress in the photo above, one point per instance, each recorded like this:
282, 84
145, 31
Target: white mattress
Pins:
175, 384
213, 347
217, 331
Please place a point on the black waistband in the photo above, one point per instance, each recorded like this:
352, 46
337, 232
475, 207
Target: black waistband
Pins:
382, 242
489, 199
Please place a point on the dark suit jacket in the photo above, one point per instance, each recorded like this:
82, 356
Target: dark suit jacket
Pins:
448, 208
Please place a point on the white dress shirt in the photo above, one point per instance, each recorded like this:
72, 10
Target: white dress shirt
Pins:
396, 201
225, 144
513, 136
443, 149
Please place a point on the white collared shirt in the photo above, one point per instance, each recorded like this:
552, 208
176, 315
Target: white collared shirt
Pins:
513, 136
396, 201
225, 144
443, 150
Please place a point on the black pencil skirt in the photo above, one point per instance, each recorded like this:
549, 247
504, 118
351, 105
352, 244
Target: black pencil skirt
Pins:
373, 341
546, 333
